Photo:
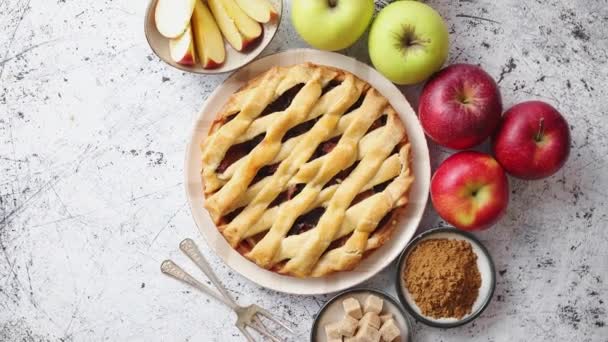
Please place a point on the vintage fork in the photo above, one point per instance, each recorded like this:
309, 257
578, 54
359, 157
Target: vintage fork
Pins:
247, 316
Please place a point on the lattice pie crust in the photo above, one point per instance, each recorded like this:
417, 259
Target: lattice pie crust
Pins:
306, 169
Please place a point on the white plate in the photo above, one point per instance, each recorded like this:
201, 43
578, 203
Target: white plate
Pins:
234, 59
371, 265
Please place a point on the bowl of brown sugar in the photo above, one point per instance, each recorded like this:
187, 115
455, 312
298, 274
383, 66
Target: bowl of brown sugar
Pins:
446, 278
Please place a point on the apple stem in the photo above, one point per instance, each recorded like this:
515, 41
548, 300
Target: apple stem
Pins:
332, 3
541, 129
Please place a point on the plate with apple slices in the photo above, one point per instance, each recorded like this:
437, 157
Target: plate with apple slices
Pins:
211, 36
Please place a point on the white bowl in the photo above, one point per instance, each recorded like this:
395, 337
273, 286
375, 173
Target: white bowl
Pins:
375, 262
234, 59
486, 271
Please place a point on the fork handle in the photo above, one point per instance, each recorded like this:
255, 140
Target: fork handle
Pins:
170, 268
191, 250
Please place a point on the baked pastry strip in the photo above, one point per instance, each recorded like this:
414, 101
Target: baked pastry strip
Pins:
248, 104
329, 223
251, 105
341, 157
257, 128
355, 213
236, 230
266, 150
306, 171
389, 170
350, 254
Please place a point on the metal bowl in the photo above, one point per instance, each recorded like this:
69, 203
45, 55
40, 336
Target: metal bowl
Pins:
317, 333
486, 270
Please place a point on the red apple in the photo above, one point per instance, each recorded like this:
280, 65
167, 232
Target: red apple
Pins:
460, 106
533, 140
470, 190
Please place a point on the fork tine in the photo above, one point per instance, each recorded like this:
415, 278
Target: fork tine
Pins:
257, 324
268, 315
246, 334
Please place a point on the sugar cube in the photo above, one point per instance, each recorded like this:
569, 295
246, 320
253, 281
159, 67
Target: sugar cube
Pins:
389, 330
348, 326
332, 330
368, 333
373, 304
371, 319
386, 317
352, 307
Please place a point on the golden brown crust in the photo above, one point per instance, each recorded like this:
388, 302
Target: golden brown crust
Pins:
260, 230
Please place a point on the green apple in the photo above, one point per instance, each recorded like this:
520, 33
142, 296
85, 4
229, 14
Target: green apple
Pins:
331, 24
408, 42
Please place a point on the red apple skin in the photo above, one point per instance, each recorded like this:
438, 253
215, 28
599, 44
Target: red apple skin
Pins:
470, 190
460, 106
524, 149
273, 15
188, 59
251, 44
211, 64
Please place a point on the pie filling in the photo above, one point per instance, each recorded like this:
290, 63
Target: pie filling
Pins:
283, 101
238, 151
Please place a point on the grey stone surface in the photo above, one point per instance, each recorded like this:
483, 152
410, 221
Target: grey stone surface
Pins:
92, 134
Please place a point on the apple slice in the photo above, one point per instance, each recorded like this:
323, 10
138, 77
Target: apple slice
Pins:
208, 39
172, 16
227, 25
182, 48
249, 28
260, 10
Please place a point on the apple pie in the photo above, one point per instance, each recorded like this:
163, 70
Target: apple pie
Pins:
306, 170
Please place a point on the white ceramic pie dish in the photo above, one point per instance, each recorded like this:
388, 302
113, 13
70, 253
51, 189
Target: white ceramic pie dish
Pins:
372, 264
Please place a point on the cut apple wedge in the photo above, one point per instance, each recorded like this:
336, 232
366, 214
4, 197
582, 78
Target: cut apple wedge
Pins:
238, 28
208, 39
260, 10
227, 25
173, 16
182, 48
249, 28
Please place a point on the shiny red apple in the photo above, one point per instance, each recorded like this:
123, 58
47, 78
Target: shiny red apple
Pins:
460, 106
533, 140
470, 190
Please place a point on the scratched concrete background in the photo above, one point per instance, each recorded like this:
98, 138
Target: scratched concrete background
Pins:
92, 135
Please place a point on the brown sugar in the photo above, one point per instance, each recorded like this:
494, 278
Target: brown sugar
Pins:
442, 277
